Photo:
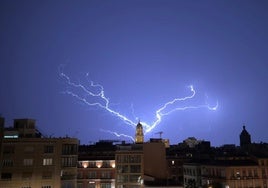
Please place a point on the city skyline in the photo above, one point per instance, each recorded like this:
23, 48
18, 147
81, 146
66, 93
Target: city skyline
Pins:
144, 54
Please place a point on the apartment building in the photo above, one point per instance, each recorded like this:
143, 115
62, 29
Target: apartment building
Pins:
29, 160
96, 165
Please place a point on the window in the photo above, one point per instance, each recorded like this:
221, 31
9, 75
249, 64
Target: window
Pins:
28, 149
91, 185
47, 161
92, 175
122, 178
26, 175
69, 149
69, 161
48, 149
243, 172
123, 158
92, 164
135, 158
8, 149
6, 176
122, 169
67, 184
134, 178
135, 168
105, 175
46, 186
255, 173
105, 185
11, 136
263, 172
27, 162
250, 173
105, 164
7, 162
79, 175
47, 175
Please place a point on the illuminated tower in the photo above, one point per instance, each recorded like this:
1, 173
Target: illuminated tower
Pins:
139, 133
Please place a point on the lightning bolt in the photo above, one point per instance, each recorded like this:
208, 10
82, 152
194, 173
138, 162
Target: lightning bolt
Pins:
117, 134
94, 95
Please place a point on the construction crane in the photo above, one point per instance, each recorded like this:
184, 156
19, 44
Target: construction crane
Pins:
160, 134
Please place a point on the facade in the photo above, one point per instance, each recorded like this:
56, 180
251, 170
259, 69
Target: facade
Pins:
96, 165
192, 175
30, 160
138, 165
129, 166
155, 162
234, 174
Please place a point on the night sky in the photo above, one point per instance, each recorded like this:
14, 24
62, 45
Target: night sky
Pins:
144, 54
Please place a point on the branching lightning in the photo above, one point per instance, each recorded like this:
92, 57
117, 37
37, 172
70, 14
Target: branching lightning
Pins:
93, 95
117, 134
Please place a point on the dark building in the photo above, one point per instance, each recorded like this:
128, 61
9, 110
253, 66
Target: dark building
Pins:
96, 165
245, 138
30, 160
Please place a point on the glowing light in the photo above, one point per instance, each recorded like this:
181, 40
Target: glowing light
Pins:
85, 164
99, 164
94, 95
113, 164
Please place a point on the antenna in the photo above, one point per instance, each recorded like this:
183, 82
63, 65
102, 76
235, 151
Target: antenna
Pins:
160, 134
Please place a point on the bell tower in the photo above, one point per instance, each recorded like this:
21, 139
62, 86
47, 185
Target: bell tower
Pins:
245, 138
139, 137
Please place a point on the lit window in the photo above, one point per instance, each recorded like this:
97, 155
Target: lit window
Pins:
27, 162
7, 162
172, 162
84, 164
47, 161
11, 136
99, 164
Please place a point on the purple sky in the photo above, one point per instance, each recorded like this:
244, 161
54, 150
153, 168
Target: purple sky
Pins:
144, 54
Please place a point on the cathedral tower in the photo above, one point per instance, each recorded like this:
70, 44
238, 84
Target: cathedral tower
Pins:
245, 138
139, 133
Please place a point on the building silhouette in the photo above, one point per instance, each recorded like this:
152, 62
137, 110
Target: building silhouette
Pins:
96, 165
30, 160
245, 138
